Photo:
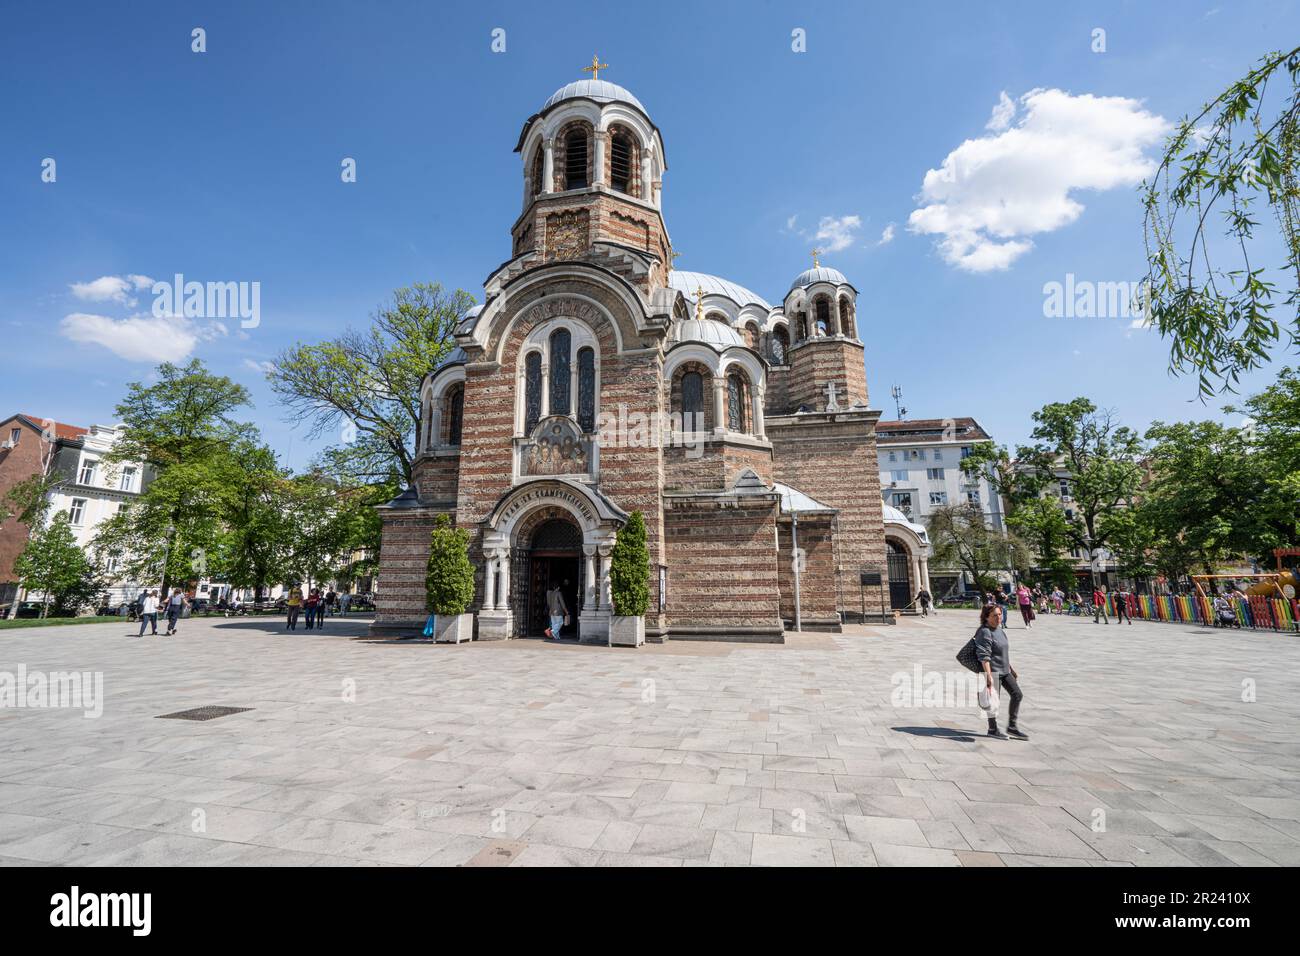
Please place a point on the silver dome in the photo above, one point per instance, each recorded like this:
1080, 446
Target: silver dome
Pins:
688, 282
710, 332
820, 274
602, 91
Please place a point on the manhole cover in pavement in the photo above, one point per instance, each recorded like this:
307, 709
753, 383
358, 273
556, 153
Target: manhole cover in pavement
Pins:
203, 713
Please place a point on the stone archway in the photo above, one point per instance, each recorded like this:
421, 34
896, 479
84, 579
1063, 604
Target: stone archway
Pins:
546, 553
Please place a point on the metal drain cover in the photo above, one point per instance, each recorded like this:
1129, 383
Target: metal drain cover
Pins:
203, 713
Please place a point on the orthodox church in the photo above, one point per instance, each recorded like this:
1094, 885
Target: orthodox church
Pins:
597, 380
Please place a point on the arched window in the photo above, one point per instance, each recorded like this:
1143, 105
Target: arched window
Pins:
575, 159
801, 326
621, 154
751, 335
538, 168
736, 402
532, 391
692, 401
455, 413
823, 315
587, 390
848, 325
560, 397
780, 345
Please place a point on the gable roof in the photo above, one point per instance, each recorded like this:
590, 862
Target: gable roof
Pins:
61, 430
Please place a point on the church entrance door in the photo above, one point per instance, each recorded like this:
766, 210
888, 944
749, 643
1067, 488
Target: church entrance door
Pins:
554, 557
900, 576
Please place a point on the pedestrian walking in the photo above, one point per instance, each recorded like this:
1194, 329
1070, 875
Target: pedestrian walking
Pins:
344, 600
148, 604
322, 607
311, 606
993, 651
175, 608
331, 600
293, 604
557, 610
1025, 599
923, 599
1099, 604
1121, 607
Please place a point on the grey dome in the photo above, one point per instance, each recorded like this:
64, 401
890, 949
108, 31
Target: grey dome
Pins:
820, 274
602, 91
711, 332
688, 282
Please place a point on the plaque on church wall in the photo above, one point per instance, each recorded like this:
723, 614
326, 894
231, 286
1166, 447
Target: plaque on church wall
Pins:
556, 448
870, 578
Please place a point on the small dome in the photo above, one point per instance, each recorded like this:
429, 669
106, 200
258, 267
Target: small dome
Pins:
455, 355
602, 91
820, 274
688, 282
710, 332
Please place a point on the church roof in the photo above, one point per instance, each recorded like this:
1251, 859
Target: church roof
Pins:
602, 91
711, 332
688, 282
892, 515
818, 274
794, 501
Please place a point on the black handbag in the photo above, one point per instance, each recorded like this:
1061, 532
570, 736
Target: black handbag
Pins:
968, 659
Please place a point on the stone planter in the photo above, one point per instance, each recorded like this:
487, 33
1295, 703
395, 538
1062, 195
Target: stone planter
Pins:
626, 631
453, 628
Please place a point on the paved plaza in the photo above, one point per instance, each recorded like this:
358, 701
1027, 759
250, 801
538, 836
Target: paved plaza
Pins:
1143, 751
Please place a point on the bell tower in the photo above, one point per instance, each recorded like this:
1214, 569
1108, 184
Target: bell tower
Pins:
826, 355
593, 165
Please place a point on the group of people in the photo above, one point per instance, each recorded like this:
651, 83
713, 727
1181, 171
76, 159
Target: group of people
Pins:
147, 608
1035, 600
315, 606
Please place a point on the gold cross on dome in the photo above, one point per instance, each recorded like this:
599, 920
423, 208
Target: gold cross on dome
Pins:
815, 254
595, 68
699, 302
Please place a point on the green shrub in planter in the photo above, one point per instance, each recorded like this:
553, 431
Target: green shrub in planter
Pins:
629, 569
449, 583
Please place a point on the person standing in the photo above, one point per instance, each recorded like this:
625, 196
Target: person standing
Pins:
293, 604
1003, 601
557, 610
1099, 604
344, 600
312, 605
1058, 598
175, 608
322, 607
330, 599
1024, 598
923, 599
148, 604
1121, 607
993, 651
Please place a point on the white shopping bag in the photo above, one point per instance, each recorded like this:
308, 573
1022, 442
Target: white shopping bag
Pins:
988, 701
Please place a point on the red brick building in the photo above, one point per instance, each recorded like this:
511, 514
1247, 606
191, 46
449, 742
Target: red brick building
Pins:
27, 448
596, 380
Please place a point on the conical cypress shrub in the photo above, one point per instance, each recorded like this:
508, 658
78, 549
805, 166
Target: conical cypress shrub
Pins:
449, 582
629, 569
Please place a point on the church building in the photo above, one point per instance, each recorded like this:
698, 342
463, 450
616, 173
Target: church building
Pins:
596, 380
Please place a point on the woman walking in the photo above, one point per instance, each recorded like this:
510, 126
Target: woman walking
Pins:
1024, 599
175, 608
293, 605
993, 651
148, 612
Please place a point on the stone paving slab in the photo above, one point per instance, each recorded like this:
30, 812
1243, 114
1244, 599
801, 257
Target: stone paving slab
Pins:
1151, 745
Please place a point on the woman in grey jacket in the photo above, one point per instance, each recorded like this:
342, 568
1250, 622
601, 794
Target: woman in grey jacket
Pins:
994, 654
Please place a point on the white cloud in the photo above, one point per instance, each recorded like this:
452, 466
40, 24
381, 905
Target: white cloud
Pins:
1002, 113
111, 288
994, 192
836, 232
265, 368
789, 223
140, 338
887, 236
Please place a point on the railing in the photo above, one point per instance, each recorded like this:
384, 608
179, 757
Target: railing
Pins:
1259, 612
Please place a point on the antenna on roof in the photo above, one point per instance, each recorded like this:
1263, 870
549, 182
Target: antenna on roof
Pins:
897, 393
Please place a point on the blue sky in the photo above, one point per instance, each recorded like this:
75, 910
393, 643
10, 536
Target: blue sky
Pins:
225, 166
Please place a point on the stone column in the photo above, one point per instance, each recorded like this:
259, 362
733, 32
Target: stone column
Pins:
606, 596
598, 164
916, 575
503, 577
590, 588
546, 387
720, 403
925, 574
548, 166
760, 427
647, 189
490, 582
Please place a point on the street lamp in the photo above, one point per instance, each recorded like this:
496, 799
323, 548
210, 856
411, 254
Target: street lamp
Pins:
167, 547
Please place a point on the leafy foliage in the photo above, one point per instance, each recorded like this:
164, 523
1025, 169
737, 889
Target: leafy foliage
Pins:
1239, 150
449, 582
52, 563
629, 569
961, 538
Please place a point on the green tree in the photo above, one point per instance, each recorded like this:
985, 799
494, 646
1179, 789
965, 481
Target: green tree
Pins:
1273, 435
365, 386
961, 538
629, 569
54, 565
1231, 161
449, 581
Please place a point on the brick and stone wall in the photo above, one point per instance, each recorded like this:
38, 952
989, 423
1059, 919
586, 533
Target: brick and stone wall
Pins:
403, 564
818, 596
818, 361
17, 464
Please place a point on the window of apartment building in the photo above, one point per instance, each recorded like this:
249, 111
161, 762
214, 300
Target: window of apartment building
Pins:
14, 435
127, 481
938, 454
902, 500
973, 497
938, 497
893, 456
88, 468
1069, 514
965, 451
114, 564
934, 474
1065, 488
77, 513
898, 474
